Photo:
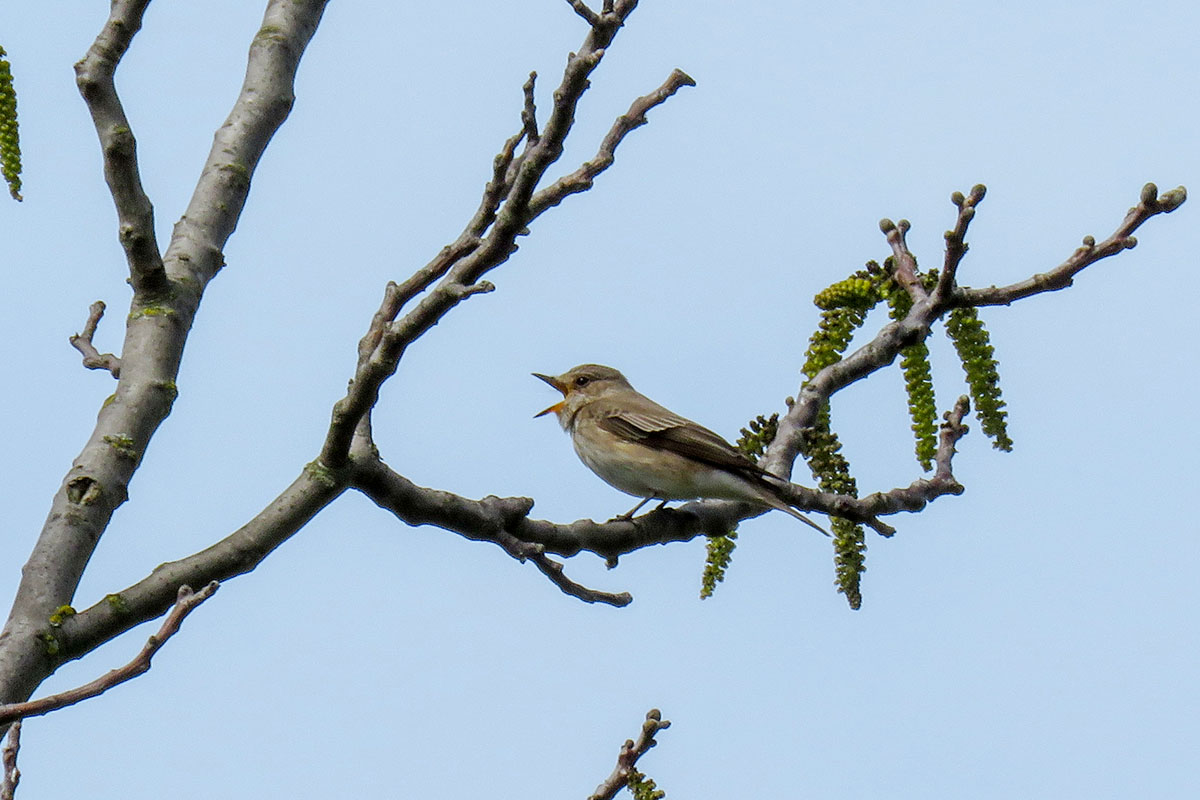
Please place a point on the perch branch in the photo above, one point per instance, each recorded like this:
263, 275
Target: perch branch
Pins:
94, 75
631, 751
488, 520
92, 359
185, 603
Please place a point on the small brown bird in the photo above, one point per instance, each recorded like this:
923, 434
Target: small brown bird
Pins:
645, 450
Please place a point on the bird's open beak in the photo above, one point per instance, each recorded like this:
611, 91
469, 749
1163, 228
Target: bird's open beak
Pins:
557, 384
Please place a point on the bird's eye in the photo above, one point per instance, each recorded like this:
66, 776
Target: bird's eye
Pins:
582, 380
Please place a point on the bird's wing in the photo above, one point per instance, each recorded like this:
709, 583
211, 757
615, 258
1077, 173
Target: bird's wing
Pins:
664, 429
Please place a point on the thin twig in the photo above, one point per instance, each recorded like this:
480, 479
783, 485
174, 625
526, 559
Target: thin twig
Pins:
956, 245
582, 9
905, 264
581, 179
1149, 205
185, 603
631, 751
529, 112
488, 241
92, 358
12, 775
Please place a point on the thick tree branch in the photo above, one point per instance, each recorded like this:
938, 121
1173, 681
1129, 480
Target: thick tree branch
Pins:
186, 602
92, 358
236, 554
156, 333
94, 77
631, 751
265, 100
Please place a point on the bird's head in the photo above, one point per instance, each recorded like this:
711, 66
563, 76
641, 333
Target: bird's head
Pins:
580, 386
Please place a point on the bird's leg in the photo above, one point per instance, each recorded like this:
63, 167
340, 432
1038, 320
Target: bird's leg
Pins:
628, 515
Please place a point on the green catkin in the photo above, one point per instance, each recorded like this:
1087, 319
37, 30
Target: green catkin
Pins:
844, 307
918, 378
753, 443
971, 340
10, 141
643, 788
821, 448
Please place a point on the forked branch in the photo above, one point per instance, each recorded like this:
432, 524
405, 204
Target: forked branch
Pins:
186, 603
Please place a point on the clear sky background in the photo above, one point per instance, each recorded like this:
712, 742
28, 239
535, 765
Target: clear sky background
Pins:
1034, 638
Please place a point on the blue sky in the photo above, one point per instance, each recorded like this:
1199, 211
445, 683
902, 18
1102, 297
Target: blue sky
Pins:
1032, 638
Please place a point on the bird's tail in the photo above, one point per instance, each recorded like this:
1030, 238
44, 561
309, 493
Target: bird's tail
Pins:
785, 507
775, 500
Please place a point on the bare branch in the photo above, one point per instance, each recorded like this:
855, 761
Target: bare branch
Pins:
185, 603
1149, 205
236, 554
488, 240
156, 334
492, 519
956, 246
631, 751
264, 102
94, 77
92, 359
554, 571
12, 775
581, 179
582, 9
906, 264
529, 112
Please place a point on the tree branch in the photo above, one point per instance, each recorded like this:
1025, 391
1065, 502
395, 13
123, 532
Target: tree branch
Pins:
1149, 205
906, 265
492, 519
92, 359
631, 751
185, 603
508, 206
956, 245
581, 179
236, 554
156, 331
529, 112
582, 9
12, 775
267, 94
135, 213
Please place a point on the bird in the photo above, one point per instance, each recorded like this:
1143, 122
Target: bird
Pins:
641, 448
